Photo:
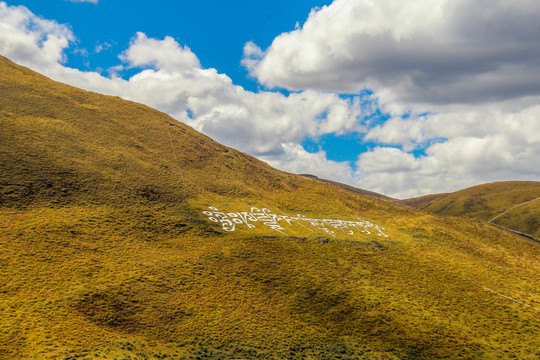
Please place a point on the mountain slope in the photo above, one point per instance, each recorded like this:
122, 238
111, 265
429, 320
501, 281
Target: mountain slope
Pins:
125, 149
511, 204
112, 245
348, 187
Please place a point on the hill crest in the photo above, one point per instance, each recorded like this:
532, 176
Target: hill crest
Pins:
510, 204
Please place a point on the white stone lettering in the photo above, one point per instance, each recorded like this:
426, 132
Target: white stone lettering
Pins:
230, 221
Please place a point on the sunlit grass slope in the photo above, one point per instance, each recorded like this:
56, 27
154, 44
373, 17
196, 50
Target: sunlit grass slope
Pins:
105, 252
487, 201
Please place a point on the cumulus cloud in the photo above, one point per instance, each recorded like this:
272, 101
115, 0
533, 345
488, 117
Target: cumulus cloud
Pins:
432, 52
480, 146
164, 54
32, 40
297, 160
260, 123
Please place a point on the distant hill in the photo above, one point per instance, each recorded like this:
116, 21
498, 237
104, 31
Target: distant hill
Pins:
422, 201
488, 201
125, 234
348, 187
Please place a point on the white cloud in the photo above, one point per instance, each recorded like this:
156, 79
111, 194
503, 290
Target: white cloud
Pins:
387, 159
164, 54
260, 123
482, 146
297, 160
440, 51
103, 46
32, 40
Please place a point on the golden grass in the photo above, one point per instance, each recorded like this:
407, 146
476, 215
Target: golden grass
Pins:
105, 252
86, 280
489, 200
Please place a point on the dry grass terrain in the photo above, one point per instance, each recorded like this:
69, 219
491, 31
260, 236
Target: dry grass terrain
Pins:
105, 252
488, 201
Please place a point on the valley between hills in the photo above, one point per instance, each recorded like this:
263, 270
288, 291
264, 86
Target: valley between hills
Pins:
125, 234
513, 205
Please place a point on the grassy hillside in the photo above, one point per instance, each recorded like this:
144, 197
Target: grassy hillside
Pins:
109, 250
488, 201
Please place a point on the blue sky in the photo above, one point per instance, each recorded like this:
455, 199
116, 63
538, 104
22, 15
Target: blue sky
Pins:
400, 97
215, 30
